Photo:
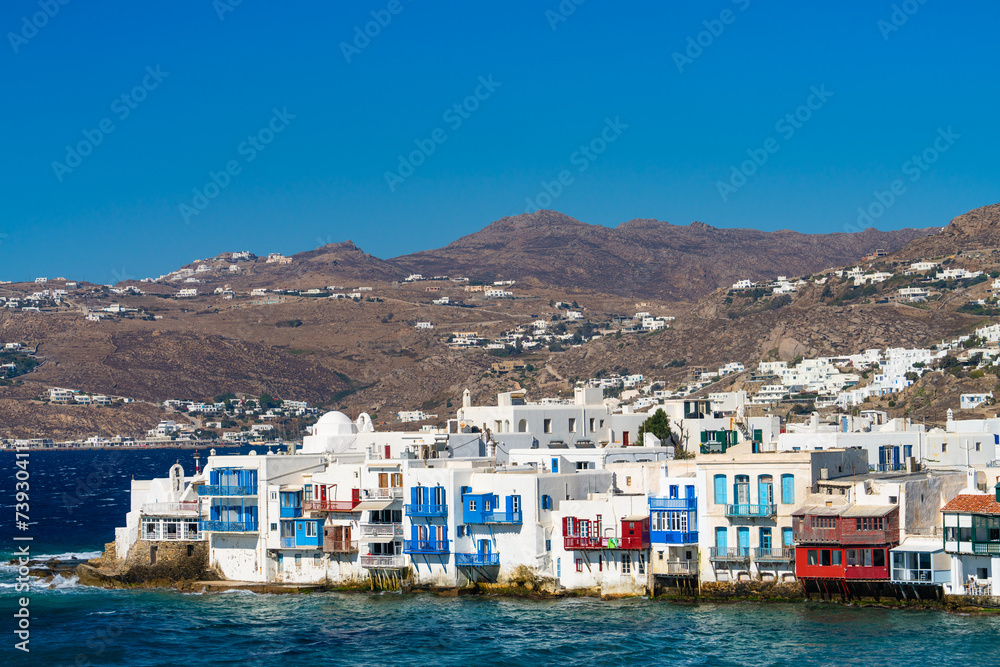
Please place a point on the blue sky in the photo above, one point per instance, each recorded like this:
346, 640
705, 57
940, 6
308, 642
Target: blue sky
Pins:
643, 110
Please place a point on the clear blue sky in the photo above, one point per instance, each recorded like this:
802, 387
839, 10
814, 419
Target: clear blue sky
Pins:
555, 86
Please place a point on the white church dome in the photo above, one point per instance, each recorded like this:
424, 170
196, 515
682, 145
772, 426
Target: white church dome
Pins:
334, 423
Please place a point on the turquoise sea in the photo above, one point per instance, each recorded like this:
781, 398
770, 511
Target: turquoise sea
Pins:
76, 625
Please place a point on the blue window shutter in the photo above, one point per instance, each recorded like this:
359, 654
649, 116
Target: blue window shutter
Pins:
787, 489
413, 495
720, 489
689, 491
786, 537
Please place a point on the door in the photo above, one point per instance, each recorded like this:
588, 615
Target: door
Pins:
484, 547
741, 490
383, 480
765, 538
766, 490
721, 539
743, 539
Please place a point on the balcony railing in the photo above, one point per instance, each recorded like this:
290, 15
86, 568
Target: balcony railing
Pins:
673, 537
383, 493
779, 554
477, 560
738, 554
384, 562
673, 503
748, 510
680, 567
161, 509
381, 529
494, 517
886, 467
340, 546
908, 575
179, 535
426, 510
227, 490
986, 548
287, 542
426, 546
330, 505
228, 526
577, 542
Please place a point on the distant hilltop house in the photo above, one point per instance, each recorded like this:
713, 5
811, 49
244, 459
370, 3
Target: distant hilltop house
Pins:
475, 288
744, 284
423, 325
41, 280
922, 267
278, 258
187, 293
258, 291
413, 277
497, 294
243, 254
970, 401
507, 366
875, 254
414, 416
913, 294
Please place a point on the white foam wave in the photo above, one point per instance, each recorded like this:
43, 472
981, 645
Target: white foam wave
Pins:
69, 555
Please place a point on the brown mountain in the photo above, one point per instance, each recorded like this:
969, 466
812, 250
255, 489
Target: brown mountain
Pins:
643, 258
977, 229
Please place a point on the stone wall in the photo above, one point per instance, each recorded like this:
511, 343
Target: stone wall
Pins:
175, 561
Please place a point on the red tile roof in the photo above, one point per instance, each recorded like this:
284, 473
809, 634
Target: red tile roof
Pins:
973, 504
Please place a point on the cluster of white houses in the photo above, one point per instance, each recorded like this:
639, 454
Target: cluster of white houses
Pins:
564, 492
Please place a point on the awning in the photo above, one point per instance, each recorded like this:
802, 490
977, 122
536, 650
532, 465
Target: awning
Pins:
374, 504
869, 510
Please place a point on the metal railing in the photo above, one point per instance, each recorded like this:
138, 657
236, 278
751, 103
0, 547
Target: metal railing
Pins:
886, 467
188, 507
477, 560
729, 553
751, 510
287, 542
909, 574
384, 562
330, 506
227, 490
425, 510
383, 493
774, 554
228, 526
176, 536
426, 546
497, 516
381, 529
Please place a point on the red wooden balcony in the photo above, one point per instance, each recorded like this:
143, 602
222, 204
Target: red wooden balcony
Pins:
330, 505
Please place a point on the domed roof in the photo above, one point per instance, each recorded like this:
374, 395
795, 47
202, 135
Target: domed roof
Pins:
334, 423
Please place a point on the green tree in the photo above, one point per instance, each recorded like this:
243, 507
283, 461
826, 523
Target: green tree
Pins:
658, 424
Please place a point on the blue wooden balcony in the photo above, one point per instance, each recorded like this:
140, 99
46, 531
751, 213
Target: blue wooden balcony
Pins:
426, 510
228, 526
673, 537
428, 547
226, 490
751, 511
477, 560
492, 516
673, 503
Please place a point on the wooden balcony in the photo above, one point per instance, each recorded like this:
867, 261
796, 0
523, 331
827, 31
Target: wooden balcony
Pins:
395, 562
340, 547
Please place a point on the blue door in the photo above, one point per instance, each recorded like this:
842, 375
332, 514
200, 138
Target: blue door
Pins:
720, 540
786, 537
743, 540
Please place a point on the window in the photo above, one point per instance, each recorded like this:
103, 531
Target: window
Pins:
310, 529
558, 567
515, 503
298, 561
547, 425
642, 563
626, 563
741, 489
579, 565
472, 505
878, 557
522, 426
555, 465
836, 557
548, 545
572, 425
765, 538
628, 481
674, 489
659, 555
765, 486
274, 527
308, 493
487, 505
812, 556
546, 502
600, 563
944, 447
317, 560
787, 537
977, 446
787, 489
720, 489
869, 523
592, 425
822, 522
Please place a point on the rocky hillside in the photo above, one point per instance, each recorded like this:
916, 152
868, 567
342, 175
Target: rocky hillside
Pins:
643, 258
978, 229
